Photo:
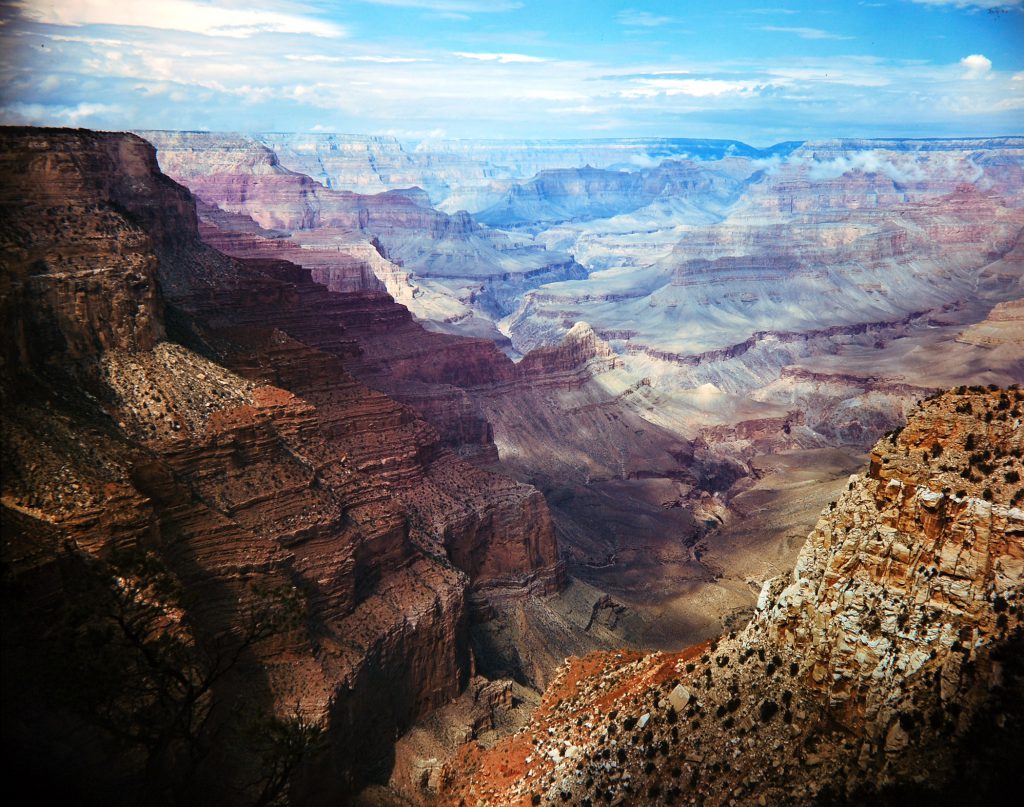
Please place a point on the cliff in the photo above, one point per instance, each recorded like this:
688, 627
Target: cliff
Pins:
166, 401
888, 665
459, 264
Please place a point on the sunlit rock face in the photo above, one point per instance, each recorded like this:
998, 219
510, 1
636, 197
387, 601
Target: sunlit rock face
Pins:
887, 664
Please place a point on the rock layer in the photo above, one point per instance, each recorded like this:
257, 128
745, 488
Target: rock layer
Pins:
458, 266
162, 396
889, 662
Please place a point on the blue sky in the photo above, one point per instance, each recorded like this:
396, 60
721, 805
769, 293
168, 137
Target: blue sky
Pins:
754, 71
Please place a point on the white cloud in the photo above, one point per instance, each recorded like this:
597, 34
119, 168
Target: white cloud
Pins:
324, 58
40, 114
211, 19
453, 8
501, 58
868, 162
88, 40
582, 109
417, 134
388, 59
972, 3
976, 66
903, 168
313, 57
632, 18
804, 33
831, 74
693, 87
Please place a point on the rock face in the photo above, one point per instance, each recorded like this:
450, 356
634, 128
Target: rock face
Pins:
889, 662
79, 296
1001, 328
461, 266
699, 262
163, 398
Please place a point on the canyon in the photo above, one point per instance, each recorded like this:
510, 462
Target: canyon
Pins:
406, 457
159, 399
743, 303
887, 667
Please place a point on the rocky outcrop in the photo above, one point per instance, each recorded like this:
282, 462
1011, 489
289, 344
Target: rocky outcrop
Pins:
889, 662
163, 398
64, 289
577, 350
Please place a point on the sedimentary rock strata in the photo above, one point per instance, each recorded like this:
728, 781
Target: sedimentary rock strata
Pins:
163, 398
458, 265
888, 662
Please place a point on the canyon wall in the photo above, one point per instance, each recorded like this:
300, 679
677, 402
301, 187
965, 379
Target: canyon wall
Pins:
887, 666
699, 262
447, 267
166, 400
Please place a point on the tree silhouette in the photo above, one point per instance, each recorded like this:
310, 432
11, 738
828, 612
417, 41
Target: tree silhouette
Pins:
126, 659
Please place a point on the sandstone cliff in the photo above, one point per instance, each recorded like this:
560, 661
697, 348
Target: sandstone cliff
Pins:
887, 666
161, 398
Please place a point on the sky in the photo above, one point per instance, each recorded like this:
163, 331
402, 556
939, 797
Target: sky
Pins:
760, 72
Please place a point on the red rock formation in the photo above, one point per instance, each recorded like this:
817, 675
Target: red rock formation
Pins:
342, 264
241, 176
244, 455
577, 350
889, 659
